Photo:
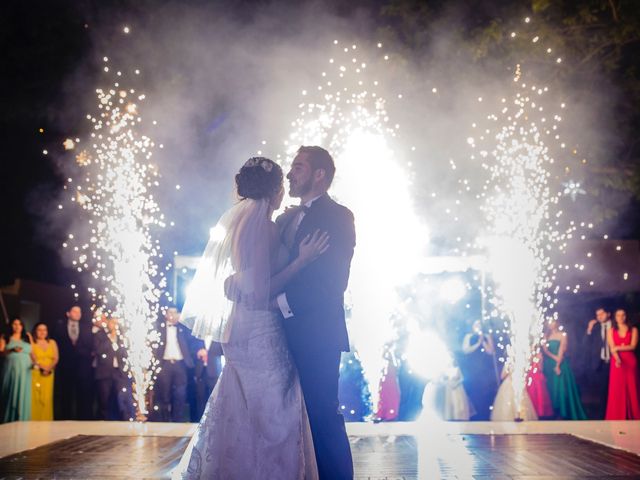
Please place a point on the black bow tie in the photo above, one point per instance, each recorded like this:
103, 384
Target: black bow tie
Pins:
304, 208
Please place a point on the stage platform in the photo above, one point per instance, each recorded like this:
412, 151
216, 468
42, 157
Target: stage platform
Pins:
425, 449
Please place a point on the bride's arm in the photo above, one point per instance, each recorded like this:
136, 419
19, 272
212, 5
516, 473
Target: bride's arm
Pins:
311, 248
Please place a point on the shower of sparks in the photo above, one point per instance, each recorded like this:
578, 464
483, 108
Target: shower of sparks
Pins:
114, 188
573, 189
525, 233
346, 115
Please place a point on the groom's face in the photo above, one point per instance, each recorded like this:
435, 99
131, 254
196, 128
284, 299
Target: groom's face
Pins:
300, 176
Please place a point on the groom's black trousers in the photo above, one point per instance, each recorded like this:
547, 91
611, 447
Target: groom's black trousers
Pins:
319, 372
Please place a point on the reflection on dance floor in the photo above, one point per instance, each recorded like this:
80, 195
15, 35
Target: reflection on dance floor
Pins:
406, 451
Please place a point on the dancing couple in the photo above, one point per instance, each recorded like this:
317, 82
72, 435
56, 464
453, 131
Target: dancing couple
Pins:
272, 293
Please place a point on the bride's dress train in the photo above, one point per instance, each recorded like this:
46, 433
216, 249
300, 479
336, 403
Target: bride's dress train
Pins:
255, 425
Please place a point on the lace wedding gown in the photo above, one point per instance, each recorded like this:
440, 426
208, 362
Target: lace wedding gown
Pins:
255, 424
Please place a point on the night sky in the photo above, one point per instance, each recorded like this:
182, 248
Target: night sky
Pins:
42, 44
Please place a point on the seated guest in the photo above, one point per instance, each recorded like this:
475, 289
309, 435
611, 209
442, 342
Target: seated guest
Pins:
624, 403
176, 356
597, 355
15, 391
44, 353
113, 386
561, 383
74, 374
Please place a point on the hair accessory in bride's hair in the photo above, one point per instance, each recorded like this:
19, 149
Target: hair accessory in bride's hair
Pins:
266, 164
259, 178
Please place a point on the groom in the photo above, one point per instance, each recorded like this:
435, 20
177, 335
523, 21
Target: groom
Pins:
313, 304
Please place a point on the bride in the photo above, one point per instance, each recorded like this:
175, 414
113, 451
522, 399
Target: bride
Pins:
255, 423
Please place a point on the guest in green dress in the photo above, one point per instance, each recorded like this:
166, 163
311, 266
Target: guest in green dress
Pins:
15, 392
561, 383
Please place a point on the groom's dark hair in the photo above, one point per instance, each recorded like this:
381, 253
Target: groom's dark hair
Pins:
320, 159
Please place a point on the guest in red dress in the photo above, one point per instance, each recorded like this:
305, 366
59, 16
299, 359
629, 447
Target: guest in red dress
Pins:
623, 401
389, 393
537, 388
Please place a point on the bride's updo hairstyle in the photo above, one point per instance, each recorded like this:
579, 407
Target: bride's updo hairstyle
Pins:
259, 178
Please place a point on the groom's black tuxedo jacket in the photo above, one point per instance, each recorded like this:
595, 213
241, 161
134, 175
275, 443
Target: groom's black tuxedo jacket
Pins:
316, 294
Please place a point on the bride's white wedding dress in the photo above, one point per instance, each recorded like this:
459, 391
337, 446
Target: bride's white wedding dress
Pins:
255, 424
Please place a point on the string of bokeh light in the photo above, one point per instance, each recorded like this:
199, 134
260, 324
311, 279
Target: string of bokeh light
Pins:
114, 184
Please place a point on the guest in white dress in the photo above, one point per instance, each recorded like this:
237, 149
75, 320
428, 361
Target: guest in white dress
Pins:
457, 405
504, 406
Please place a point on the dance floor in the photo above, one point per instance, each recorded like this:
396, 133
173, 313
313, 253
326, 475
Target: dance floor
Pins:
430, 450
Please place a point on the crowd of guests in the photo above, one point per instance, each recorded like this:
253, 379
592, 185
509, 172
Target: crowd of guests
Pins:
608, 375
80, 372
596, 377
81, 369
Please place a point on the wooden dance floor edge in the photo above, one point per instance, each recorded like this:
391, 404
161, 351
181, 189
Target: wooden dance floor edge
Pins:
625, 435
412, 450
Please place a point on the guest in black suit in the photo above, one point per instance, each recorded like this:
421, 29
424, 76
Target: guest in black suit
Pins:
206, 376
596, 363
74, 373
113, 385
177, 352
313, 304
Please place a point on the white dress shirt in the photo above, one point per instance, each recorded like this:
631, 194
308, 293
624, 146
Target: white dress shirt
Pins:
116, 347
73, 329
283, 303
605, 353
172, 347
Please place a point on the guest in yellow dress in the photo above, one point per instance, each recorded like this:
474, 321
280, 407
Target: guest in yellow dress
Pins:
44, 352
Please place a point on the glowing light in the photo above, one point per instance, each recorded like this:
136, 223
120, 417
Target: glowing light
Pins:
573, 189
427, 354
453, 290
68, 144
114, 189
350, 120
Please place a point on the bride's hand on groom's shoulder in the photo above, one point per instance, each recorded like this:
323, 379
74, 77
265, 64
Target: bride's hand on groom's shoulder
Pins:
312, 246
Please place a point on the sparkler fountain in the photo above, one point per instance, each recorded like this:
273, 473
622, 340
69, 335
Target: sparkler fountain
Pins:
114, 188
521, 203
348, 117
